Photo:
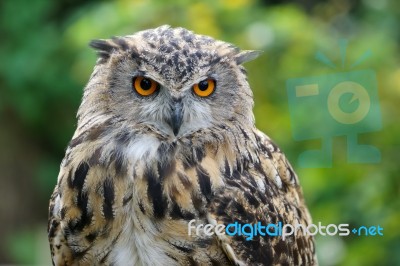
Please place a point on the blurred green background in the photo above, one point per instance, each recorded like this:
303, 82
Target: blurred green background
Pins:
45, 63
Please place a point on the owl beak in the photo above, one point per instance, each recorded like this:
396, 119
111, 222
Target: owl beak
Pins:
177, 115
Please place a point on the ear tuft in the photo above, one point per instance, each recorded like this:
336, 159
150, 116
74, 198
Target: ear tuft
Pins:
103, 47
246, 56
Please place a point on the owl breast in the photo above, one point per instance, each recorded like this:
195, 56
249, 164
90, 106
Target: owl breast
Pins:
164, 194
139, 243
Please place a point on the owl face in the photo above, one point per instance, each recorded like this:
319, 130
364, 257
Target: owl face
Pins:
170, 80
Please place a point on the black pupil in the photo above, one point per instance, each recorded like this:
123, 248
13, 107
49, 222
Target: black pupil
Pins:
145, 84
203, 85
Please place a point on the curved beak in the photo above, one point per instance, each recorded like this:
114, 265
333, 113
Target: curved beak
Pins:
176, 116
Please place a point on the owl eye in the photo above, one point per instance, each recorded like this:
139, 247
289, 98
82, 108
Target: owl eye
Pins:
144, 86
204, 88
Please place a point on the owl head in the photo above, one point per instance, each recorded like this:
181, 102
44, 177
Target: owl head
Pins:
171, 80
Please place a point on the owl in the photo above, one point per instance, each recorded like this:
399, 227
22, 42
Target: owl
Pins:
165, 151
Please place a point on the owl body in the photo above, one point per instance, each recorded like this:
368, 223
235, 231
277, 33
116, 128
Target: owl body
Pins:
166, 136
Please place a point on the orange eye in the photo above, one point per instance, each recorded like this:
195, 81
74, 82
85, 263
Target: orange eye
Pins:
204, 88
144, 86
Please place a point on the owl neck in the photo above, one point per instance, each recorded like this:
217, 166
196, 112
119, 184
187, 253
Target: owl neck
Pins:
112, 142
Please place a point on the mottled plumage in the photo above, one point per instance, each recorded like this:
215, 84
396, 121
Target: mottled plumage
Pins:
139, 168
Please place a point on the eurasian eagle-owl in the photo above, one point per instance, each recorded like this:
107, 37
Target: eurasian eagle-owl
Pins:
166, 135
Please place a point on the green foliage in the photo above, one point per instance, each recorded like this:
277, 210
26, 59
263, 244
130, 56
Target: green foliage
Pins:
22, 246
45, 62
